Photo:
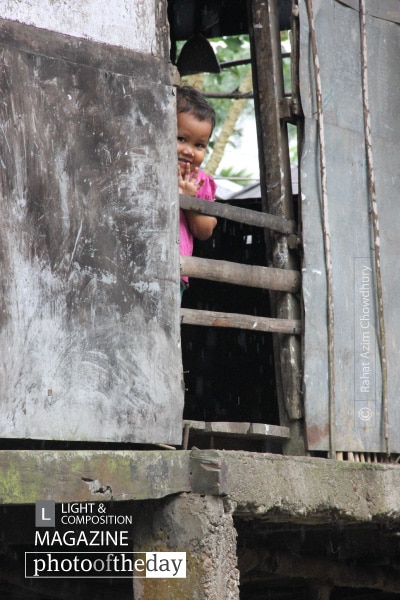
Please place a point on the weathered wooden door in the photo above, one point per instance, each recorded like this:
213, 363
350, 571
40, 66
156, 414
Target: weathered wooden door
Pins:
89, 323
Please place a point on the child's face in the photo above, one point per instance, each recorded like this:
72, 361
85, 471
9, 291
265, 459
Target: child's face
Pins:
193, 137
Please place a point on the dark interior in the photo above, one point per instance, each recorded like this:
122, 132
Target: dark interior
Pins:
229, 373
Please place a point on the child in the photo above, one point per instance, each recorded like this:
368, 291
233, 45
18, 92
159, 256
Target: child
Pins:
195, 123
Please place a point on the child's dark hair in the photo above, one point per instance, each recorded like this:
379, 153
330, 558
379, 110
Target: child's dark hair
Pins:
190, 100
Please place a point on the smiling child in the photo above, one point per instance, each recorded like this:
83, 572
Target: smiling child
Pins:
195, 123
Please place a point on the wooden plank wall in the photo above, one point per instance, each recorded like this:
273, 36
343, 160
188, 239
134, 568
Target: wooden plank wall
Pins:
360, 423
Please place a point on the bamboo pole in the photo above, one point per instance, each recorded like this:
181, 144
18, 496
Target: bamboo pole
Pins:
248, 275
240, 215
326, 235
375, 222
238, 321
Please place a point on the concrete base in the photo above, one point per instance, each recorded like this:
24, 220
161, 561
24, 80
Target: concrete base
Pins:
201, 526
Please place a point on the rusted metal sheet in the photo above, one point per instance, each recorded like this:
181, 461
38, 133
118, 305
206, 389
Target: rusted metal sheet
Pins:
358, 376
89, 321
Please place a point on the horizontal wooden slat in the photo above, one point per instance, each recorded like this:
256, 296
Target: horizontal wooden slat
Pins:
210, 318
234, 429
240, 215
248, 275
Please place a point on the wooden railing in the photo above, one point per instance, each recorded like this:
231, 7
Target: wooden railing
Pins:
240, 215
283, 280
266, 278
219, 319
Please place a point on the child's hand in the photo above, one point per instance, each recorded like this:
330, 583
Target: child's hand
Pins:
187, 180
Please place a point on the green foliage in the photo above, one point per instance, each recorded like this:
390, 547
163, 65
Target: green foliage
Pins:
235, 175
286, 63
228, 49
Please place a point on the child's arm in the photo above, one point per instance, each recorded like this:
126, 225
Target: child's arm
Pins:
201, 226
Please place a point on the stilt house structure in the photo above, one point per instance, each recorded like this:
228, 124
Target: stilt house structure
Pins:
255, 427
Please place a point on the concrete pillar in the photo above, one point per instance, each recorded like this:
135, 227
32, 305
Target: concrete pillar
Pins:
201, 526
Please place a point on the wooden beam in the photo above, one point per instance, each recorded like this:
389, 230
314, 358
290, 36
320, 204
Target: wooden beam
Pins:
210, 318
235, 273
240, 215
259, 431
356, 492
77, 476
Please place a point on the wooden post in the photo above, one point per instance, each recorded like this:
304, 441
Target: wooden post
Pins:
276, 191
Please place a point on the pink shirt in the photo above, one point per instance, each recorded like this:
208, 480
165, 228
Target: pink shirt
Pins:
207, 192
